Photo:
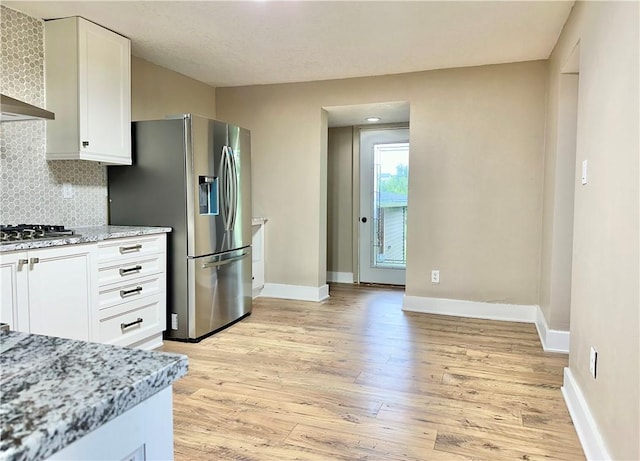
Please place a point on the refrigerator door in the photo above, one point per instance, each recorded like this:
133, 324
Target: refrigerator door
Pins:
219, 162
221, 291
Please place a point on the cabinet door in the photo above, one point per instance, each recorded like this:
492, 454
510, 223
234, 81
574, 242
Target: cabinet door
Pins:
62, 291
14, 294
104, 63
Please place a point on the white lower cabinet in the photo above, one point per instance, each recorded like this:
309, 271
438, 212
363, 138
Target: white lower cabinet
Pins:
14, 290
257, 255
145, 432
49, 291
132, 291
113, 291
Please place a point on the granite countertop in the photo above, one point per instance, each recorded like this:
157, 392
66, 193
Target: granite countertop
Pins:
55, 390
86, 235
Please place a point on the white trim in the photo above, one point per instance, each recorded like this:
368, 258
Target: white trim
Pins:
552, 340
340, 277
299, 292
473, 309
586, 427
148, 344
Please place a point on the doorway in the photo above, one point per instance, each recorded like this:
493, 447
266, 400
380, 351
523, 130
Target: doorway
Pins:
384, 180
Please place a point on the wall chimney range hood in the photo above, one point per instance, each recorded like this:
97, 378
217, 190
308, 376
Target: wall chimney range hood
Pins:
15, 110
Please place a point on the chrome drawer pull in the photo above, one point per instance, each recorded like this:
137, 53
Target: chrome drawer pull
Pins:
125, 293
131, 248
130, 270
22, 261
34, 260
124, 326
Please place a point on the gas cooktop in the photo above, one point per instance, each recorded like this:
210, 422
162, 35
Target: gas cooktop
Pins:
15, 233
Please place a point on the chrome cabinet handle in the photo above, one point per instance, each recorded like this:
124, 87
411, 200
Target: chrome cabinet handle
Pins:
125, 293
130, 270
131, 248
34, 260
22, 261
85, 143
124, 326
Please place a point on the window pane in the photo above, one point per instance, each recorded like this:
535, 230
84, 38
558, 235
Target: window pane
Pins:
391, 182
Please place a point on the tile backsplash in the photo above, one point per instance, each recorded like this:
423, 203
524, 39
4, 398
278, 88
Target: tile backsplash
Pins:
30, 186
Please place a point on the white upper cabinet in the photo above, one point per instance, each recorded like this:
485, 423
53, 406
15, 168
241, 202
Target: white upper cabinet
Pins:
88, 86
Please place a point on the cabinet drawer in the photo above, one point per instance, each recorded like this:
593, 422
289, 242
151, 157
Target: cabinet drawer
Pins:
127, 323
125, 272
122, 249
126, 292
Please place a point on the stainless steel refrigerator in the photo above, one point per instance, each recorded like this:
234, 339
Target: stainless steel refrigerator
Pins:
194, 175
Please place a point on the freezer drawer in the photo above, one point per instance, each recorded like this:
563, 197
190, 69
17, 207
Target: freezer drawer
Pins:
220, 292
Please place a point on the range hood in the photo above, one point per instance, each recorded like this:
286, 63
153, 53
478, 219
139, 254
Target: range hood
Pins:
15, 110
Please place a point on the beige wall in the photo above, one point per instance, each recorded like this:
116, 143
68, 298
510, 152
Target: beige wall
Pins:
322, 202
475, 187
157, 92
604, 296
559, 185
340, 200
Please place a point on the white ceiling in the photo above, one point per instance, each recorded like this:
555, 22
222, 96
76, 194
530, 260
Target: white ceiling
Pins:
388, 112
234, 43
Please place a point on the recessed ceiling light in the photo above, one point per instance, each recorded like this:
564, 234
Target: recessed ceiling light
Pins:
372, 119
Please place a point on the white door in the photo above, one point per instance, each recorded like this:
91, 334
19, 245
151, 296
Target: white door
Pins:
105, 92
61, 292
384, 179
14, 290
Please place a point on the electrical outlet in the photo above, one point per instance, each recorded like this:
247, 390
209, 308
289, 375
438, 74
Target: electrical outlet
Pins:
67, 190
593, 362
435, 276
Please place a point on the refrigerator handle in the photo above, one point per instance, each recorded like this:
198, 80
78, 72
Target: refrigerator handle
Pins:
233, 205
224, 261
230, 179
224, 187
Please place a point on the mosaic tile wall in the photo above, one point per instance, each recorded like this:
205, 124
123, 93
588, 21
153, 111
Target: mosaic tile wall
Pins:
31, 187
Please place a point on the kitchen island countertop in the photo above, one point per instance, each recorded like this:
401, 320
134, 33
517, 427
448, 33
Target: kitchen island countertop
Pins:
85, 235
55, 390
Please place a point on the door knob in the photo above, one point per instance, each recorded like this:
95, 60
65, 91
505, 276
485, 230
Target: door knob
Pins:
364, 219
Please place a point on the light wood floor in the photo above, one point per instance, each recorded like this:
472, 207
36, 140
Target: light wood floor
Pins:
355, 378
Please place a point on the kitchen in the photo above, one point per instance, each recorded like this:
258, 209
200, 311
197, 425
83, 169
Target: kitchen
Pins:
42, 202
63, 275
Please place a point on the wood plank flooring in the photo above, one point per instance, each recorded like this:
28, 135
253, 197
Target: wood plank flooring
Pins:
355, 378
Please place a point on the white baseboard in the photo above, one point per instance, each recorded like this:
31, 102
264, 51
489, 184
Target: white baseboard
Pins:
299, 292
588, 433
473, 309
340, 277
552, 340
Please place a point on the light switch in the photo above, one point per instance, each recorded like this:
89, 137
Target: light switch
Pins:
584, 172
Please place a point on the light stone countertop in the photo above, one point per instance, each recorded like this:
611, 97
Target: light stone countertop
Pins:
55, 390
85, 235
